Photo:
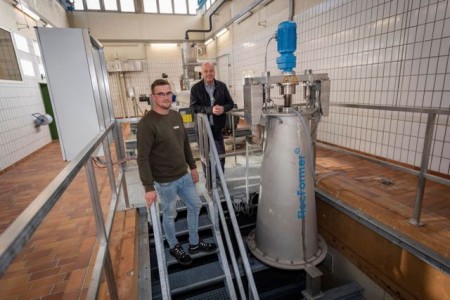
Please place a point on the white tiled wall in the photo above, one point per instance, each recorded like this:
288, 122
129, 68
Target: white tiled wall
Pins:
18, 101
393, 53
153, 67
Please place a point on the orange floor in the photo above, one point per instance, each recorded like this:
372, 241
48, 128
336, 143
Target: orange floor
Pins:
359, 183
57, 261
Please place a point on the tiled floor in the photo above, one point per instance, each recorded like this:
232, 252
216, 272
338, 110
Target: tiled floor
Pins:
388, 196
56, 263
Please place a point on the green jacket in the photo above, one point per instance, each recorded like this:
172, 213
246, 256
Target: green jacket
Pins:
163, 149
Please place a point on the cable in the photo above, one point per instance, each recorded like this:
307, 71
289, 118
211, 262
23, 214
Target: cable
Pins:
308, 140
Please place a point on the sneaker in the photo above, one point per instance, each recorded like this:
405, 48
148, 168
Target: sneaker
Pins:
181, 256
202, 247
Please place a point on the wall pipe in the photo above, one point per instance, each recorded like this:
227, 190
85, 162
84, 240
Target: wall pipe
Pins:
186, 36
291, 10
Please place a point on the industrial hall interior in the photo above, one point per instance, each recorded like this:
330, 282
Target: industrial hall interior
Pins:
225, 149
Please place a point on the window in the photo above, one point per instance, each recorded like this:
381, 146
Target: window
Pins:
180, 7
193, 7
9, 68
127, 5
27, 67
37, 51
150, 6
110, 4
93, 4
165, 7
21, 43
79, 5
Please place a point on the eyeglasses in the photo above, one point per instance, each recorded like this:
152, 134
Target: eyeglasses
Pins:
168, 94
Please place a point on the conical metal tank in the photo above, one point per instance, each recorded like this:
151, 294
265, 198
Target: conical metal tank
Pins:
286, 230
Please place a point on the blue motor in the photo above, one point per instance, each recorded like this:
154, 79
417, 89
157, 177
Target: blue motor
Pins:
287, 44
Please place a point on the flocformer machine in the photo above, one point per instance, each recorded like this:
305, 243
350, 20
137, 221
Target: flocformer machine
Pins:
286, 230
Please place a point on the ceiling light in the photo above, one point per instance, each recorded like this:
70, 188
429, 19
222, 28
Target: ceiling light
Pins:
243, 17
209, 41
221, 32
27, 11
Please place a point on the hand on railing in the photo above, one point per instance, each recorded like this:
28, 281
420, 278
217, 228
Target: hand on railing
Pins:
150, 197
194, 174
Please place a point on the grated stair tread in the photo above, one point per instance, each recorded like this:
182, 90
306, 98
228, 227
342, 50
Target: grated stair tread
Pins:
194, 278
218, 294
180, 206
181, 226
170, 260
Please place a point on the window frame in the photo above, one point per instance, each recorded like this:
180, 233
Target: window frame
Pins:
139, 7
17, 63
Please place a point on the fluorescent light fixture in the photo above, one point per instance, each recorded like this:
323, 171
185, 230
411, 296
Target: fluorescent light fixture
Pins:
27, 11
164, 45
221, 32
209, 41
48, 25
243, 17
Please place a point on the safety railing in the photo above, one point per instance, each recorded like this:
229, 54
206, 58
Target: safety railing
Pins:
21, 230
159, 246
210, 157
422, 174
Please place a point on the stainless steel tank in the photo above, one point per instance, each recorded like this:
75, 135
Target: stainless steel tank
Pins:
286, 230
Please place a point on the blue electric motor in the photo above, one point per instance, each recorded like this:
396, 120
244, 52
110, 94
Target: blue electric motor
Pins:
287, 44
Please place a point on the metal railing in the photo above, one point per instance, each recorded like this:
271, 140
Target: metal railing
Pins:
210, 157
159, 247
21, 230
422, 174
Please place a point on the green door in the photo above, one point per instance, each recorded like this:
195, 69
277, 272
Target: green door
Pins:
49, 110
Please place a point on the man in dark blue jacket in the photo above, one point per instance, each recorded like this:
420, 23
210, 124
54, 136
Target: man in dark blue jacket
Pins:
211, 97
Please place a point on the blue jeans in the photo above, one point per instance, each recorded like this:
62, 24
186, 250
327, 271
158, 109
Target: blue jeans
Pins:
167, 193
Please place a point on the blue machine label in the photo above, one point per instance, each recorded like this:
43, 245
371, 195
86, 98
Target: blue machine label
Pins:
301, 193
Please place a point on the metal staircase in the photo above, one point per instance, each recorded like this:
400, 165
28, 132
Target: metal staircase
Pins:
208, 276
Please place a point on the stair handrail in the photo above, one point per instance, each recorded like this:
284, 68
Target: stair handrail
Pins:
160, 255
203, 124
20, 231
213, 207
218, 214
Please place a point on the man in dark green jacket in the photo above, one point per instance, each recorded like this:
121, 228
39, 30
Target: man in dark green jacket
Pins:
164, 153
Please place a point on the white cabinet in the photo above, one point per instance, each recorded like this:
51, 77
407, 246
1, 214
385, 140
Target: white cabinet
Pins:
78, 86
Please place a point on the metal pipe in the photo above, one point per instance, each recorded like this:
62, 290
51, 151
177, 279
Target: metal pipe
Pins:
423, 169
102, 239
291, 10
186, 35
159, 246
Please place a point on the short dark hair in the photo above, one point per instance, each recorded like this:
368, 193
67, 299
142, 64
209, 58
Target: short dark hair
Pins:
159, 82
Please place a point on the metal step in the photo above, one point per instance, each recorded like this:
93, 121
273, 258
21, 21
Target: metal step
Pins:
181, 226
191, 279
180, 206
218, 294
170, 260
194, 278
